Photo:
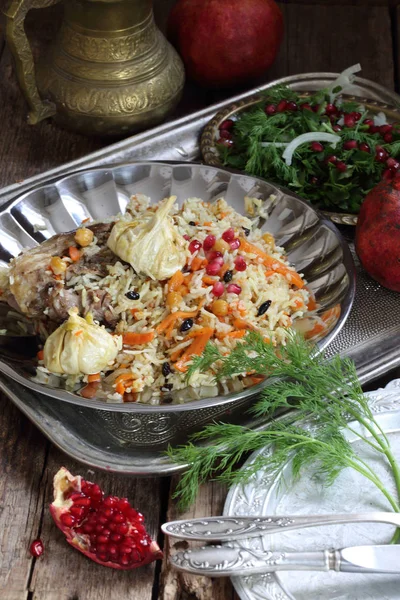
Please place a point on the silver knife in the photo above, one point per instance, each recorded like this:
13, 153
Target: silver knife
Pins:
220, 529
229, 560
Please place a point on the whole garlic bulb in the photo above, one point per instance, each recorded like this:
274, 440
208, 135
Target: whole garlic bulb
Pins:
153, 246
79, 346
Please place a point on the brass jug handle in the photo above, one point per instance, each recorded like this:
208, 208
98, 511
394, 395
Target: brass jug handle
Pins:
22, 53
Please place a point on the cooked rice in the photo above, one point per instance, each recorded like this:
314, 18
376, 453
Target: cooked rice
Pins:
258, 284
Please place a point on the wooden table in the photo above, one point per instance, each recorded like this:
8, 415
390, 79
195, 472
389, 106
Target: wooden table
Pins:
327, 35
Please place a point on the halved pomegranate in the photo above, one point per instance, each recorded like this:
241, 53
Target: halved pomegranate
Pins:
105, 528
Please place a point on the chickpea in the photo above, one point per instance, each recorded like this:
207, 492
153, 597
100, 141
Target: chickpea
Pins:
57, 265
269, 239
173, 299
84, 236
221, 246
219, 308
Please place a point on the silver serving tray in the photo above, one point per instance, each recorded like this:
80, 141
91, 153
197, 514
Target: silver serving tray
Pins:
370, 335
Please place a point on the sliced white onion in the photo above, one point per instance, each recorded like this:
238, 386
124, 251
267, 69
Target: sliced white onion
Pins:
380, 119
277, 144
312, 136
344, 81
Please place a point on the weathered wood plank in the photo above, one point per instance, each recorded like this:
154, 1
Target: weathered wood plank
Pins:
175, 585
22, 459
64, 573
330, 38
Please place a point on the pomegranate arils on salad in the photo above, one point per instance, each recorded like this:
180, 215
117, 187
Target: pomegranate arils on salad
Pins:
240, 263
388, 138
234, 244
233, 288
349, 120
270, 109
218, 289
228, 235
194, 246
317, 147
350, 145
341, 166
106, 529
214, 267
292, 106
225, 134
226, 125
363, 147
282, 106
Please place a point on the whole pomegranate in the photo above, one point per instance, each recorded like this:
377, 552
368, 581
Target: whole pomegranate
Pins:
225, 42
105, 528
378, 234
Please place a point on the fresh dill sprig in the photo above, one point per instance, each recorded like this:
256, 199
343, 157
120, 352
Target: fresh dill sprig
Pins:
328, 398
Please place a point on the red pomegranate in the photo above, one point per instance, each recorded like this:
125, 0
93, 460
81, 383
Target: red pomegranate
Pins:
378, 234
104, 528
225, 42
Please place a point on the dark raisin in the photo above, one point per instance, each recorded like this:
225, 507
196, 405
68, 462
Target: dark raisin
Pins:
246, 231
192, 223
167, 387
132, 295
186, 269
166, 369
263, 308
187, 324
228, 276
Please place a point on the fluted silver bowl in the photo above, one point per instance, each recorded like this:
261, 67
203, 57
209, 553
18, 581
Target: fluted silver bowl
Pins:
313, 245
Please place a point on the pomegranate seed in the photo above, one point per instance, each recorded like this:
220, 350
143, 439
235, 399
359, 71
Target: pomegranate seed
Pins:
108, 512
363, 147
331, 109
123, 504
96, 491
393, 164
122, 528
226, 125
350, 145
209, 242
317, 147
368, 122
388, 138
87, 528
228, 235
235, 244
67, 520
112, 549
103, 557
316, 108
349, 120
82, 501
186, 237
282, 106
341, 166
270, 109
373, 129
102, 539
233, 288
225, 134
333, 119
115, 537
381, 154
102, 548
194, 246
306, 106
213, 268
337, 128
77, 511
357, 115
388, 174
240, 263
215, 254
103, 519
36, 548
292, 106
225, 142
118, 518
331, 159
218, 289
386, 128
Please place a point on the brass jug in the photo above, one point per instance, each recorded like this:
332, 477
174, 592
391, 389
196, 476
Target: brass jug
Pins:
110, 71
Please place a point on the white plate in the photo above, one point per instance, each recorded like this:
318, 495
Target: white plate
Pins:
350, 493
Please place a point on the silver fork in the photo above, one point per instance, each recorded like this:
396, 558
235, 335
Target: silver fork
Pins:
222, 529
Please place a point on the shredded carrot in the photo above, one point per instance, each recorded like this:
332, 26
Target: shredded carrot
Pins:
90, 390
197, 263
195, 349
298, 302
241, 324
207, 223
202, 331
236, 334
40, 355
176, 354
134, 311
79, 332
85, 220
183, 290
120, 389
179, 314
124, 377
176, 280
273, 263
209, 280
188, 279
332, 312
256, 379
312, 305
269, 273
131, 338
223, 215
94, 377
316, 330
74, 253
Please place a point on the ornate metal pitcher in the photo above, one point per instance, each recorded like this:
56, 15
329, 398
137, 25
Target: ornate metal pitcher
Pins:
110, 71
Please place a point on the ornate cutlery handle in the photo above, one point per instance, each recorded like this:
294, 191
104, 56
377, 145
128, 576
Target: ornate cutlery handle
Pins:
233, 528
